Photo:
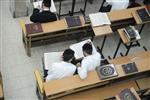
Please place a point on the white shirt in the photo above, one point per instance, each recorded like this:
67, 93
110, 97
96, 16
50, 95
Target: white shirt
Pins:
60, 70
89, 63
118, 4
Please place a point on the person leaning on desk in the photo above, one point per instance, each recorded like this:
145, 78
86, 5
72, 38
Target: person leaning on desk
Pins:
43, 15
90, 61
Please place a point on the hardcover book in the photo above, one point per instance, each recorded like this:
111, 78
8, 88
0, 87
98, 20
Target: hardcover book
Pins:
126, 94
129, 68
34, 28
106, 71
130, 33
73, 21
143, 14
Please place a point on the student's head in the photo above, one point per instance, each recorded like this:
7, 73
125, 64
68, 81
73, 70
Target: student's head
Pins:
47, 3
68, 55
87, 49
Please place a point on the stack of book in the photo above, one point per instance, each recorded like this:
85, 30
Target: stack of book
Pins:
143, 14
73, 21
131, 33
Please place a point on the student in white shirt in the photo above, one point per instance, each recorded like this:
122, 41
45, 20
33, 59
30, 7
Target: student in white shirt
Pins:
111, 5
64, 68
89, 62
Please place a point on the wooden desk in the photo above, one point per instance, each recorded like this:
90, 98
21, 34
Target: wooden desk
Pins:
100, 93
74, 82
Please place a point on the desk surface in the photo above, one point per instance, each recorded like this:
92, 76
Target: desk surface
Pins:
122, 14
100, 93
53, 87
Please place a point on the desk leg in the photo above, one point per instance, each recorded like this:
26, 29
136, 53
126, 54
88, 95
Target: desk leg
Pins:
59, 9
103, 42
118, 46
29, 47
72, 9
141, 28
83, 11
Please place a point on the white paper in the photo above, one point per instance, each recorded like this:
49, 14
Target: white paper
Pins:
39, 4
51, 57
98, 19
77, 48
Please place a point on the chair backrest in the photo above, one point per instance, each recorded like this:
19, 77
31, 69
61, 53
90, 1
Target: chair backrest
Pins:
39, 80
22, 23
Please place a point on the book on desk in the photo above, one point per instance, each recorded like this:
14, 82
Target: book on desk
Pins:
73, 21
127, 94
98, 19
131, 33
129, 68
33, 28
143, 14
106, 71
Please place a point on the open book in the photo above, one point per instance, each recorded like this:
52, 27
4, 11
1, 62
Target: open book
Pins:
51, 57
39, 4
98, 19
77, 48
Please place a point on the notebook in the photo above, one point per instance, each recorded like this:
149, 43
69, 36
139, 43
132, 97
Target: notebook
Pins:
73, 21
98, 19
33, 28
143, 14
126, 94
129, 68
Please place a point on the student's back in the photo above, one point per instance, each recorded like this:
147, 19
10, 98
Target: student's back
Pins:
60, 70
43, 15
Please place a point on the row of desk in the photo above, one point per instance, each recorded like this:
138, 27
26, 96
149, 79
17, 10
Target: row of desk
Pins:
57, 88
53, 30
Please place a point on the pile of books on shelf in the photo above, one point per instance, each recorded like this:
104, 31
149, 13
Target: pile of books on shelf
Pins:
131, 33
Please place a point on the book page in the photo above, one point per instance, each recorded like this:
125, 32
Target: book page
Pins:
51, 57
98, 19
77, 48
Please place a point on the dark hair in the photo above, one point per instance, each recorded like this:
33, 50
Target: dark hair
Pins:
68, 54
87, 48
47, 3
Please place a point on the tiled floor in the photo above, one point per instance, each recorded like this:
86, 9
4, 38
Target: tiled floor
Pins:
18, 69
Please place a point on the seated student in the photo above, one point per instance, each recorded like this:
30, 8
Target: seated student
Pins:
63, 68
45, 15
89, 62
133, 3
111, 5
